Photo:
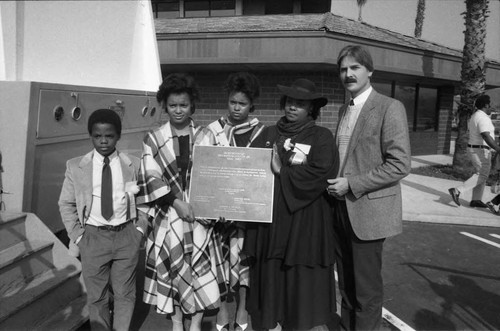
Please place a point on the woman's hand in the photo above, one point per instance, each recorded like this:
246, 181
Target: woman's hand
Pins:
222, 220
275, 161
205, 221
184, 210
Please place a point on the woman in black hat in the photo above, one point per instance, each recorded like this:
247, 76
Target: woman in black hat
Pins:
292, 282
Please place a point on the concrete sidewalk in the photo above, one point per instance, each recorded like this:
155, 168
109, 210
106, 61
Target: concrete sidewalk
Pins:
426, 199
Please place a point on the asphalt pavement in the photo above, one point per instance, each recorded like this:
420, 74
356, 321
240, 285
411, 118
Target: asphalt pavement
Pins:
442, 277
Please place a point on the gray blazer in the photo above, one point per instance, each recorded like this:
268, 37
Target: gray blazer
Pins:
378, 157
75, 201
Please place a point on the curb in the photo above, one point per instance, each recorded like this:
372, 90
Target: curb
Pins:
455, 220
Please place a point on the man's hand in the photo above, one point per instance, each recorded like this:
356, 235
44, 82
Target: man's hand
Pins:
338, 187
184, 210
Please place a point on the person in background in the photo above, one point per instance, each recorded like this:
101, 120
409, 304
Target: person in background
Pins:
480, 145
374, 153
183, 263
239, 130
2, 204
1, 184
98, 210
493, 203
292, 284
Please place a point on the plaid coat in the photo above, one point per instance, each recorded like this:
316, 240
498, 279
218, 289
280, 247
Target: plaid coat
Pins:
183, 264
231, 237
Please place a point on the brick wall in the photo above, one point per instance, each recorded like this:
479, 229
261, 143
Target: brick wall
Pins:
213, 102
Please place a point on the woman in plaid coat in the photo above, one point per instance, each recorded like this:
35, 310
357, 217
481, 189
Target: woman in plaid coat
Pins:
183, 264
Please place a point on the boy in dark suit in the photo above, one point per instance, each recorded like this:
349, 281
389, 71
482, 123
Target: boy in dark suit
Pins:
98, 210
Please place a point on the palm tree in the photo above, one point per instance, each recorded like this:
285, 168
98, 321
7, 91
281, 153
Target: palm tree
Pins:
473, 79
419, 20
361, 3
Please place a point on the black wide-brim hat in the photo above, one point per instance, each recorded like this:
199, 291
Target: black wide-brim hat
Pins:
303, 89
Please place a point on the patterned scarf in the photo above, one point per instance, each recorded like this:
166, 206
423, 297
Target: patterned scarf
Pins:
225, 131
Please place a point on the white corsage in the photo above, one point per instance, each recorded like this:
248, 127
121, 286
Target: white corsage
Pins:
288, 145
299, 155
131, 187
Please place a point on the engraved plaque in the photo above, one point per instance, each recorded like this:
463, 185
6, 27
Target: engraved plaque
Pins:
232, 182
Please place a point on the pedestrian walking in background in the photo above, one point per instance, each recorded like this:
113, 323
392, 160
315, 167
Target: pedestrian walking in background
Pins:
480, 146
374, 154
292, 284
182, 260
98, 210
236, 129
495, 187
1, 185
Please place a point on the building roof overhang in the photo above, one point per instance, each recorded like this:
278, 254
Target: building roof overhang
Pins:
303, 42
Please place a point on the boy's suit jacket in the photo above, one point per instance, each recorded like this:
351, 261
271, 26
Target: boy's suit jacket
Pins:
378, 156
75, 201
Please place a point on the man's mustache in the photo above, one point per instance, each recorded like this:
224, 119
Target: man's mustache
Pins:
350, 80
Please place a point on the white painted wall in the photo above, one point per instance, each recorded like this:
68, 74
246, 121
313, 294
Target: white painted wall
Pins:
91, 43
13, 140
443, 22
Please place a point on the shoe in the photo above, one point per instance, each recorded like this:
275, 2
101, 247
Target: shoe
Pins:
242, 327
455, 194
478, 204
222, 327
491, 207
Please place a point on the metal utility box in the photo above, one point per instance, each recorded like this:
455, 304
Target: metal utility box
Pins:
42, 125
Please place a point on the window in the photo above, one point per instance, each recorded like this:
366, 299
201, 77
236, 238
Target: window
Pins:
193, 8
426, 109
196, 8
315, 6
406, 94
165, 8
383, 87
279, 7
421, 103
205, 8
222, 8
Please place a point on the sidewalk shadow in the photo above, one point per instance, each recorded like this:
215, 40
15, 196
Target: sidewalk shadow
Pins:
444, 197
462, 299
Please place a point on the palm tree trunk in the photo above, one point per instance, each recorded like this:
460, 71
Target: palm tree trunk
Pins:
419, 20
473, 79
361, 3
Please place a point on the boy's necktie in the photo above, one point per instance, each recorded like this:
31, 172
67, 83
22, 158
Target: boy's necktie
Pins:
106, 191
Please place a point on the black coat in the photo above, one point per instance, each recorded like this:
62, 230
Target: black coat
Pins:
302, 228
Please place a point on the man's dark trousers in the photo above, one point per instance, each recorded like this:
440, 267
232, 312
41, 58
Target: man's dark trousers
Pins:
359, 267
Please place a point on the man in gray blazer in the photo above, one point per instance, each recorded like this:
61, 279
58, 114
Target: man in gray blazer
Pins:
374, 155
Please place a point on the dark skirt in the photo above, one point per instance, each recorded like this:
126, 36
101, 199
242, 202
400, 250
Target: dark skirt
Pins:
296, 296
